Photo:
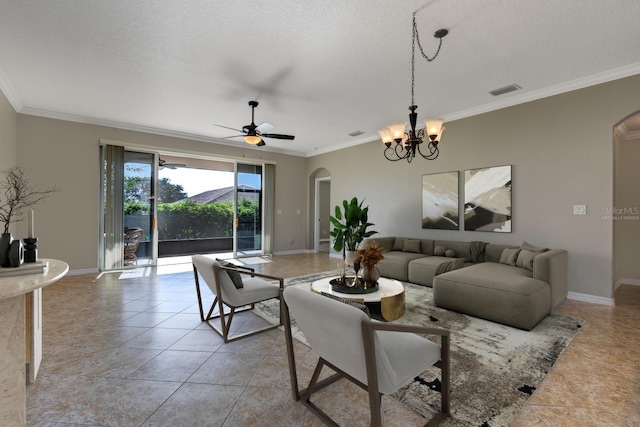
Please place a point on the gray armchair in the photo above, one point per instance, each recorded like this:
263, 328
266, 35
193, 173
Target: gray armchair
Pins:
228, 297
379, 357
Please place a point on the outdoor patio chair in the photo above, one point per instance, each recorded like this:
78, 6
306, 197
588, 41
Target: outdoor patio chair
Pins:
379, 357
230, 296
132, 238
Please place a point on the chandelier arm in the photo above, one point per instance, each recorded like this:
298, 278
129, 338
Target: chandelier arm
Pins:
393, 153
401, 151
433, 151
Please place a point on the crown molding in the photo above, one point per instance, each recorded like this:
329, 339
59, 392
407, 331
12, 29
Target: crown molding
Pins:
7, 88
148, 129
592, 80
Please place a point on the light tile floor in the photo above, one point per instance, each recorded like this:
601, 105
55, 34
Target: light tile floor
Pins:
128, 349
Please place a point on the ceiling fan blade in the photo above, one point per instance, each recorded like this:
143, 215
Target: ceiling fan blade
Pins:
163, 164
227, 127
277, 136
233, 136
265, 127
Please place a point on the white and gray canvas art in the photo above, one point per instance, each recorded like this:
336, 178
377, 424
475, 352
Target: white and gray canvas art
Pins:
440, 201
487, 199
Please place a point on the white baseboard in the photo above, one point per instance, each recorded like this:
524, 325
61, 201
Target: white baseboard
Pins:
294, 252
81, 272
591, 299
623, 281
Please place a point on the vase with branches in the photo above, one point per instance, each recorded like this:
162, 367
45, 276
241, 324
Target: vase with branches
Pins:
369, 255
16, 194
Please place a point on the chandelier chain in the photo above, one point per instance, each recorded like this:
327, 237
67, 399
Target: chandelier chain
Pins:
416, 37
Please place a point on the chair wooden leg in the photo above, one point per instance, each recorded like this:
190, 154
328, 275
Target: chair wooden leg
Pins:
291, 358
446, 374
195, 274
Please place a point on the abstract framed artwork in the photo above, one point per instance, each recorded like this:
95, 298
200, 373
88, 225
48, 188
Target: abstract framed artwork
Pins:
487, 199
440, 201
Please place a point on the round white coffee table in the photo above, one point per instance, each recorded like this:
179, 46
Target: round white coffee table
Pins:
390, 296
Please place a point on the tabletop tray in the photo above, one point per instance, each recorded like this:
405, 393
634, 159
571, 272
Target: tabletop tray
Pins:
337, 286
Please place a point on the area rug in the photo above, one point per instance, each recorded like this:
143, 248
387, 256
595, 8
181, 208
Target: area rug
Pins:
494, 368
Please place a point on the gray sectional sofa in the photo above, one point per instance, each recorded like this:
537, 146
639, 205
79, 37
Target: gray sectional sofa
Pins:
516, 286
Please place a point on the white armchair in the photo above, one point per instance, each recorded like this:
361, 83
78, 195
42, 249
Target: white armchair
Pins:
379, 357
228, 297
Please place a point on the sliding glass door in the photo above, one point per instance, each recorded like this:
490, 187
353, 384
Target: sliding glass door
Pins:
128, 202
202, 207
249, 210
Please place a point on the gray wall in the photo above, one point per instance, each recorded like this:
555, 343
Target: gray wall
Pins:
8, 136
66, 154
561, 149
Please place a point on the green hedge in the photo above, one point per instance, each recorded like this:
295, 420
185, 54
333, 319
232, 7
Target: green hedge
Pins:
189, 220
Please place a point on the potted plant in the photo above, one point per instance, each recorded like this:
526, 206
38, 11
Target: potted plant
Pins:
15, 195
350, 227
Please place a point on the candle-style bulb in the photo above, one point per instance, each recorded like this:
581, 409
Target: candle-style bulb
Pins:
31, 223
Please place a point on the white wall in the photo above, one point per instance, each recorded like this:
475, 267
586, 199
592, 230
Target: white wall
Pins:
66, 154
561, 149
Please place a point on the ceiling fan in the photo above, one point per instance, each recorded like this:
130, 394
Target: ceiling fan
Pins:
253, 134
163, 164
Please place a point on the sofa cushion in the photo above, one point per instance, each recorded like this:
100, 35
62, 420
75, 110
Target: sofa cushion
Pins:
493, 291
411, 245
462, 249
398, 244
526, 255
493, 252
509, 256
395, 264
423, 270
439, 250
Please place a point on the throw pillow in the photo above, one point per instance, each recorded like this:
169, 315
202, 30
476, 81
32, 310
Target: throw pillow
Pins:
355, 304
439, 250
411, 245
233, 275
532, 248
398, 243
526, 255
509, 256
450, 253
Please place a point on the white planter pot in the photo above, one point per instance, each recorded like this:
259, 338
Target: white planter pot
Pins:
350, 256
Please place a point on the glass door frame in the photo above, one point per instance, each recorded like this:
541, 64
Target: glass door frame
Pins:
237, 252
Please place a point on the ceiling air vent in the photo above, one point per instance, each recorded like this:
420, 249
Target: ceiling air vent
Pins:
355, 133
506, 89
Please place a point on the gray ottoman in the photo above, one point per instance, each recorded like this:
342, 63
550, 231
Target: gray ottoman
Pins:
496, 292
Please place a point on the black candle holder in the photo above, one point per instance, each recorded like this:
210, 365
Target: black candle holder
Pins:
30, 249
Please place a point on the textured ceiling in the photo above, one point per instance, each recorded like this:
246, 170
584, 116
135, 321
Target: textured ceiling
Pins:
319, 69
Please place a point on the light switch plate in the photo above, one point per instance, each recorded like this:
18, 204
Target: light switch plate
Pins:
579, 209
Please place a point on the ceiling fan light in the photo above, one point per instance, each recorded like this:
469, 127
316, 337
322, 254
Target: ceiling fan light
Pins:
396, 130
434, 127
253, 139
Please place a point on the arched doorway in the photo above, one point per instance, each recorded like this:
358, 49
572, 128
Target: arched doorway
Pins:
320, 209
625, 213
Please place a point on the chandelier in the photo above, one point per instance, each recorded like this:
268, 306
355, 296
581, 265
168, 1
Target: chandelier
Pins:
408, 143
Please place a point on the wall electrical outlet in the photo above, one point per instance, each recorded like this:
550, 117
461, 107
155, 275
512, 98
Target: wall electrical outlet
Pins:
579, 209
